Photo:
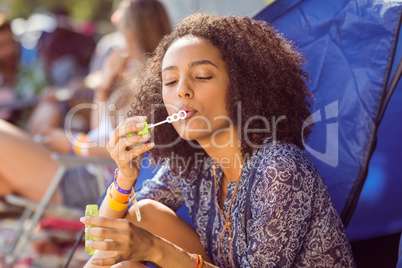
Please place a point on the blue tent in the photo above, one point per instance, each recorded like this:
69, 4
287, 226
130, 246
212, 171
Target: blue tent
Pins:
352, 53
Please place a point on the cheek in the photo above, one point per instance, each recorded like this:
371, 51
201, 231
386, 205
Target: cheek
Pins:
217, 99
168, 102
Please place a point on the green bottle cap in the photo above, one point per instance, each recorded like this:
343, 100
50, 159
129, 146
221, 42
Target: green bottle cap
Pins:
145, 130
92, 207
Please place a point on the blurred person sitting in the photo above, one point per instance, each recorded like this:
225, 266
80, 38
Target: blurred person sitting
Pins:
64, 53
17, 81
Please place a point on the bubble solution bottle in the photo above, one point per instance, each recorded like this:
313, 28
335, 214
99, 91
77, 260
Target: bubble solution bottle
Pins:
91, 210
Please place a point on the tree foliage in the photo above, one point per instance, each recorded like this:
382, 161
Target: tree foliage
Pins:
79, 9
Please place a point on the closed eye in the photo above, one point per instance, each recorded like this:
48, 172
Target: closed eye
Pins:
203, 77
169, 83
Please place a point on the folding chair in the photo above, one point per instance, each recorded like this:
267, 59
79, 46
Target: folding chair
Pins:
34, 211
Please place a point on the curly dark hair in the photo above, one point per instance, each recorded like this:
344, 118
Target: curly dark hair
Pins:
265, 78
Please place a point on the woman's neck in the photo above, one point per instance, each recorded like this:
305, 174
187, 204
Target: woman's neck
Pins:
228, 157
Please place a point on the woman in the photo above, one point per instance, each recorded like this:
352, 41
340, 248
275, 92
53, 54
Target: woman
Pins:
144, 23
235, 161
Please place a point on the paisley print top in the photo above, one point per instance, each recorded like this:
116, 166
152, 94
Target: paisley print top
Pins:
282, 214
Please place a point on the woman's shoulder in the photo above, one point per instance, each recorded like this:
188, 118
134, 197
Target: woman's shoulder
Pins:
282, 156
280, 166
282, 173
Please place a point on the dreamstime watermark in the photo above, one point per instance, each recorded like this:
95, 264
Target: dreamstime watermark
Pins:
198, 125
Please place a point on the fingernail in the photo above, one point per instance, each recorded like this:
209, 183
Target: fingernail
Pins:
82, 219
95, 261
150, 145
142, 118
146, 136
140, 125
86, 229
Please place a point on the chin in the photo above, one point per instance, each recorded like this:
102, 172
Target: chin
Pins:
191, 133
189, 136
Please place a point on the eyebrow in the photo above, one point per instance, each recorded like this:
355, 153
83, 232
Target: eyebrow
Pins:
193, 64
202, 62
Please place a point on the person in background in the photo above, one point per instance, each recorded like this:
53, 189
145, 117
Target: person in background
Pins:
108, 42
143, 24
18, 83
64, 53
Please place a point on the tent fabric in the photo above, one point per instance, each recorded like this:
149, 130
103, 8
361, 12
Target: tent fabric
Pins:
350, 48
379, 211
399, 265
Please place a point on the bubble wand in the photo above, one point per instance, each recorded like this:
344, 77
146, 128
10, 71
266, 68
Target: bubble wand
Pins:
170, 119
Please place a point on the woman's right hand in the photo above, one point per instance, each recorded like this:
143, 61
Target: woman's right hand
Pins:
127, 151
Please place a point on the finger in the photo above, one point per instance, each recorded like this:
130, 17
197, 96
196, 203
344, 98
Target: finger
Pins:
131, 120
118, 134
126, 145
129, 264
106, 222
105, 262
127, 126
123, 131
104, 233
128, 141
135, 140
134, 152
106, 245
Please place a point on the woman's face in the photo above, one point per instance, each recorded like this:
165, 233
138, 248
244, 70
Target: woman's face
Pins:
195, 79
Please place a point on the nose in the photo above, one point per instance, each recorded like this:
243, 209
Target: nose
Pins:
184, 90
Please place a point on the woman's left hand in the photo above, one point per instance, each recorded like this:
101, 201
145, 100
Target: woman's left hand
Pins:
129, 242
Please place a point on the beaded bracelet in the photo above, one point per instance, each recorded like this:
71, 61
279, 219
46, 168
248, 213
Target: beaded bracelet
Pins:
200, 260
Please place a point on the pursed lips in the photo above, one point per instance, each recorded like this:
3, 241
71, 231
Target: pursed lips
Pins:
190, 111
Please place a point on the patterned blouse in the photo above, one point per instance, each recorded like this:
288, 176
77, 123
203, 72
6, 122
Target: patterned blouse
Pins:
282, 214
